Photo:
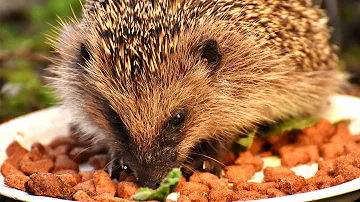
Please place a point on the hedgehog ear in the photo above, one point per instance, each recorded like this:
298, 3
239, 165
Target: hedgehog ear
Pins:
84, 54
211, 52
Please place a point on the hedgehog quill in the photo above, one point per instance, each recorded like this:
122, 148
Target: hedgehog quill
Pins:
169, 83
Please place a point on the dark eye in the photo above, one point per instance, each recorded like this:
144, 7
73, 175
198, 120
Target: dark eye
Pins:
177, 121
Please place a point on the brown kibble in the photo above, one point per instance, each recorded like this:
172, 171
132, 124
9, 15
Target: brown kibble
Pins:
198, 197
202, 177
313, 153
238, 174
15, 147
126, 189
82, 196
266, 154
63, 162
104, 184
87, 186
229, 158
342, 134
356, 138
247, 158
28, 166
219, 184
47, 184
265, 188
300, 155
15, 159
272, 174
72, 172
181, 183
347, 172
107, 198
86, 175
262, 188
15, 153
183, 198
290, 184
331, 150
190, 187
273, 192
343, 168
318, 134
297, 157
82, 154
257, 145
38, 151
320, 182
349, 159
244, 195
59, 150
99, 162
288, 148
8, 169
68, 179
35, 155
279, 141
351, 147
16, 181
217, 195
123, 175
308, 188
64, 140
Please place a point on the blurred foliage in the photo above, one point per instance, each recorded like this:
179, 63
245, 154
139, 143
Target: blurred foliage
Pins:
24, 92
350, 49
30, 33
22, 88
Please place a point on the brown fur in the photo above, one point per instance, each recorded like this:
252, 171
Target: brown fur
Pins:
275, 63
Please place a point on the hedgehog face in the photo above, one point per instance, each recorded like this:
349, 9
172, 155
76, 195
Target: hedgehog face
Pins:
153, 156
152, 126
154, 132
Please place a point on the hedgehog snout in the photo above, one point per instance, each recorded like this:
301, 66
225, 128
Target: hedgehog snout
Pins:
151, 178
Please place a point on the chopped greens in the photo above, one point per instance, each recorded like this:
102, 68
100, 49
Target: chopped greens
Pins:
276, 128
286, 125
248, 140
166, 187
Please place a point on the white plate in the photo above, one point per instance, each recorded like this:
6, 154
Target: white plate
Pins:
45, 125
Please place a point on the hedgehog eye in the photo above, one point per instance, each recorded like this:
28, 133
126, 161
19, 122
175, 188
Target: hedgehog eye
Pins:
177, 121
211, 52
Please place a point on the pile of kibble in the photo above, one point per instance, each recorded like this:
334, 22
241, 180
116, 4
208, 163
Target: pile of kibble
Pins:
53, 170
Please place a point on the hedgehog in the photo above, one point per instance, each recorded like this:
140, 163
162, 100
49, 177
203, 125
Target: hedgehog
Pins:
171, 83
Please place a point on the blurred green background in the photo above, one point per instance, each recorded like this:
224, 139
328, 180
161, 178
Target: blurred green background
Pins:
24, 52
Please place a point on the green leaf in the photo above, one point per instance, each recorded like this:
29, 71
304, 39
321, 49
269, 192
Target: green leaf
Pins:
167, 186
286, 125
246, 141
